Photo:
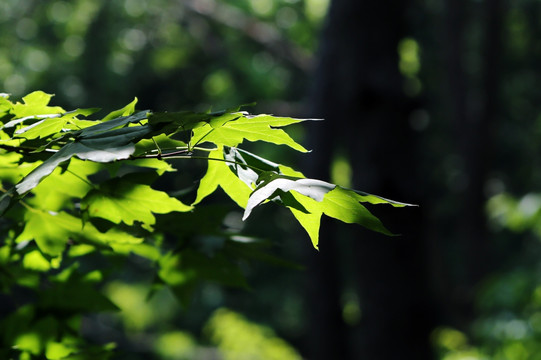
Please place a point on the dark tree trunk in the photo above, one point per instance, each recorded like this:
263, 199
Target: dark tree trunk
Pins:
472, 109
358, 90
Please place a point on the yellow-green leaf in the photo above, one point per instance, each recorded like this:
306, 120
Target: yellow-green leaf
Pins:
219, 174
119, 201
251, 128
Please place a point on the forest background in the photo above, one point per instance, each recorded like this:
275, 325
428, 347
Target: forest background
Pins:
431, 102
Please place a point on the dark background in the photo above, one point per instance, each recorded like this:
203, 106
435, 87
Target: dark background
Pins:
432, 102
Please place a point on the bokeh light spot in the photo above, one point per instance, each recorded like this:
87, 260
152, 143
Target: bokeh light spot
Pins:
135, 8
59, 12
316, 9
120, 63
26, 29
73, 46
15, 84
262, 7
133, 39
37, 60
218, 83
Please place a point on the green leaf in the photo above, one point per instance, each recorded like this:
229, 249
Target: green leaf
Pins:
35, 104
251, 128
119, 200
99, 143
104, 127
34, 260
344, 205
340, 204
163, 142
5, 106
219, 174
311, 220
374, 199
42, 128
125, 111
12, 168
52, 230
312, 198
56, 192
57, 350
51, 124
83, 150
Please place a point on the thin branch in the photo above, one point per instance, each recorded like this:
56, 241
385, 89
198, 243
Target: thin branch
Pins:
222, 160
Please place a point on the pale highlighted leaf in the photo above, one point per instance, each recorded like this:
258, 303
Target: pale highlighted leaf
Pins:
315, 189
104, 142
247, 166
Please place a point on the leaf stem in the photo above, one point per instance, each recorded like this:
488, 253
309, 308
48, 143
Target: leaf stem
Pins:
178, 150
204, 136
158, 148
82, 179
210, 158
203, 149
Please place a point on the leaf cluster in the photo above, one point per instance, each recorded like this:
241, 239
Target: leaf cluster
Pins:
75, 188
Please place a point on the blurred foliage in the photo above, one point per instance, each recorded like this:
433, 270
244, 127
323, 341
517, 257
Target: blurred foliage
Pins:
237, 338
169, 54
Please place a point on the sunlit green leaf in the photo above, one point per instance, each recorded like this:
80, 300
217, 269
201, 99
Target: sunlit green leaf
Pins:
251, 128
56, 191
5, 107
219, 174
52, 231
119, 201
34, 260
51, 124
57, 350
35, 104
125, 111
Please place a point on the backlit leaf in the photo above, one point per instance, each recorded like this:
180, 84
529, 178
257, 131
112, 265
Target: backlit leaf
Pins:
52, 230
119, 201
315, 189
125, 111
35, 104
219, 174
251, 128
